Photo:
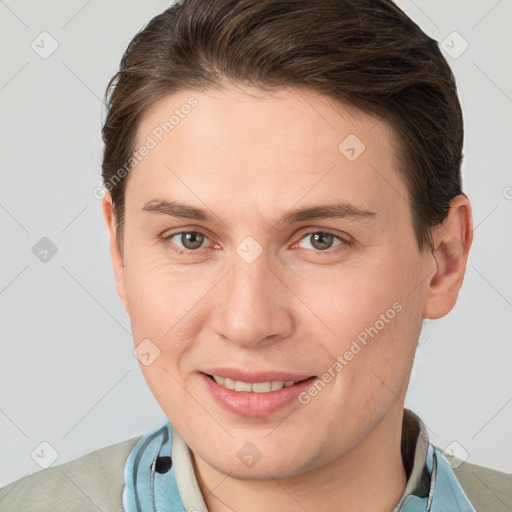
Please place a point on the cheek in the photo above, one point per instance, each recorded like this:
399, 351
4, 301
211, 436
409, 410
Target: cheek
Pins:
164, 320
346, 301
390, 333
163, 308
371, 317
159, 295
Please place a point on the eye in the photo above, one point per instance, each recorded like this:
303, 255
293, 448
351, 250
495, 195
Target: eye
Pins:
321, 241
188, 240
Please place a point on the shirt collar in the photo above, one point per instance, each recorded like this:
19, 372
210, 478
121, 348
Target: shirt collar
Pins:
159, 474
414, 447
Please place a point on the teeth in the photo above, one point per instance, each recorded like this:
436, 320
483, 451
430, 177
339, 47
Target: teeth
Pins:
256, 387
243, 386
228, 383
261, 387
276, 385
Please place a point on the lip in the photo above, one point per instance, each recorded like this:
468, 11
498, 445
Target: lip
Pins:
255, 404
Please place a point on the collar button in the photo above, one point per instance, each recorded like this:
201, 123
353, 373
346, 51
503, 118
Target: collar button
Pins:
163, 465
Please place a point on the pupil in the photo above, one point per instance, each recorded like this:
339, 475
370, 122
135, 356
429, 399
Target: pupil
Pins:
322, 241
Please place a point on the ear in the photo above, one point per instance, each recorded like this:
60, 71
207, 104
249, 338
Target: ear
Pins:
452, 241
115, 251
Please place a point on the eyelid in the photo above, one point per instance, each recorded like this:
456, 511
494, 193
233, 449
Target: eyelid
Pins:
340, 234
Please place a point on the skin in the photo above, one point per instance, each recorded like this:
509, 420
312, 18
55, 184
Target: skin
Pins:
248, 157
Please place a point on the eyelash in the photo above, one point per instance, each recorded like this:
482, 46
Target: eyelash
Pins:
345, 241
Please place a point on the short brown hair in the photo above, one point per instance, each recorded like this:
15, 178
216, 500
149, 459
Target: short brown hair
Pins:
366, 53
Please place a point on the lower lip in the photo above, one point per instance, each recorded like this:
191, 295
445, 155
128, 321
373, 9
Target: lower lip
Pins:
254, 404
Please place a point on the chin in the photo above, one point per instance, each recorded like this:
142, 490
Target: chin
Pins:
276, 465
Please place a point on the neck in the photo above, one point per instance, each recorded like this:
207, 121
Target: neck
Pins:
369, 477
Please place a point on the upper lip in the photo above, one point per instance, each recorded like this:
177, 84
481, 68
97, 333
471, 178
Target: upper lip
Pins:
253, 377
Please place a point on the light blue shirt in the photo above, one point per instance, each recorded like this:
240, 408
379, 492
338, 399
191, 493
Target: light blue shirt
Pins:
159, 477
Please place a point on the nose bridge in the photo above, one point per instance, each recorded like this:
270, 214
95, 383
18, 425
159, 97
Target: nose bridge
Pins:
253, 305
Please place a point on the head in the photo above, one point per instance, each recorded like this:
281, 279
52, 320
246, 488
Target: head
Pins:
284, 202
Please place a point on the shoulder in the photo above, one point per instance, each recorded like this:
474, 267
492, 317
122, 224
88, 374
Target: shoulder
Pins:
92, 482
486, 488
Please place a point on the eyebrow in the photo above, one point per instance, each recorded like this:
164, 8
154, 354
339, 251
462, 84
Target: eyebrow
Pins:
329, 211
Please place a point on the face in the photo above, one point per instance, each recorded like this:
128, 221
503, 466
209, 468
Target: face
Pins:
269, 247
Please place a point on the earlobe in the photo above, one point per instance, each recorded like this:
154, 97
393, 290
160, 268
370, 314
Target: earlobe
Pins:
115, 251
452, 241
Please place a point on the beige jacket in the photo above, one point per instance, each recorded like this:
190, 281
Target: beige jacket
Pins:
95, 482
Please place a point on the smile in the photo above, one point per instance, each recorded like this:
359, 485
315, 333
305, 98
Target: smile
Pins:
254, 399
252, 387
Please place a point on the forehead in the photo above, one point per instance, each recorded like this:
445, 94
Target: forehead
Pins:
289, 145
262, 120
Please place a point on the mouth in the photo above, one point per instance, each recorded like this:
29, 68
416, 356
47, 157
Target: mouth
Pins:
255, 395
253, 387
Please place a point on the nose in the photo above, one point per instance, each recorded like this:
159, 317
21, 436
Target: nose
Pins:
254, 306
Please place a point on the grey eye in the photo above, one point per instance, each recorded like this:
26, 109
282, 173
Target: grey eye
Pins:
320, 241
189, 240
192, 240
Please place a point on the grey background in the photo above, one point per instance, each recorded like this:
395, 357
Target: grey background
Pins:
67, 373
